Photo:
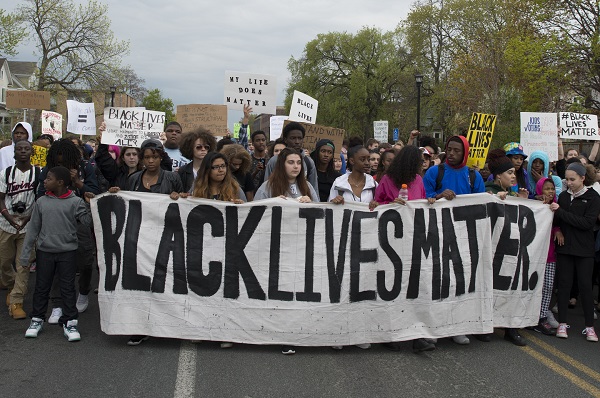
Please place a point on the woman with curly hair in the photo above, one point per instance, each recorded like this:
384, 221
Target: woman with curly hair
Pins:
404, 170
239, 163
194, 145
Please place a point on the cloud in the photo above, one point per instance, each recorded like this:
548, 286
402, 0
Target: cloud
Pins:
184, 47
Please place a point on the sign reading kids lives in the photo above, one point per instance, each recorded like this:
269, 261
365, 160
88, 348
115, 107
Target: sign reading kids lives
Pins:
257, 91
131, 126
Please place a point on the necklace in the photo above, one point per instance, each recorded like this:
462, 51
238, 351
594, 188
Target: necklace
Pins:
357, 184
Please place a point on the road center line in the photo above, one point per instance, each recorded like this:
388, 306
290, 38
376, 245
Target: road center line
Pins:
185, 384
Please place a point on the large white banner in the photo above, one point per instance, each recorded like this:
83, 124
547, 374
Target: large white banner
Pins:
131, 126
257, 91
81, 118
579, 126
539, 133
304, 108
281, 272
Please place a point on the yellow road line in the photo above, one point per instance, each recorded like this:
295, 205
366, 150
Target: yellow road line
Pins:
578, 381
559, 354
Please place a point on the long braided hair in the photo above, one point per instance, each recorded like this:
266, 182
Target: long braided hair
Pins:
70, 153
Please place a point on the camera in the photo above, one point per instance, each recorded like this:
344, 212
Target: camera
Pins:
19, 207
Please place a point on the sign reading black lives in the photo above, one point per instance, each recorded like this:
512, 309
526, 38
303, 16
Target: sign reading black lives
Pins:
281, 272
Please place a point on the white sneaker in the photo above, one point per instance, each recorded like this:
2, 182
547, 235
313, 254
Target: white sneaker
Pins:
364, 346
82, 302
55, 316
337, 347
590, 334
551, 319
461, 339
70, 330
34, 327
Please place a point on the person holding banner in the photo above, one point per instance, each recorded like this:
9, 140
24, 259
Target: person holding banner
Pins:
357, 186
195, 145
215, 181
576, 214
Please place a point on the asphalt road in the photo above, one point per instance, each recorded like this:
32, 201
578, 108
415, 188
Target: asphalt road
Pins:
104, 366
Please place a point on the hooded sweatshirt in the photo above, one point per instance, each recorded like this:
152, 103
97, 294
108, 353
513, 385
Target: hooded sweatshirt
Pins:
532, 183
551, 248
54, 224
456, 178
7, 154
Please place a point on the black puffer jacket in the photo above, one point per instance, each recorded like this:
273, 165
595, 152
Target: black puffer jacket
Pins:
168, 181
576, 219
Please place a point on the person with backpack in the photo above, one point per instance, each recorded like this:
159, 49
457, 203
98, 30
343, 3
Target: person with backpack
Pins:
18, 184
451, 178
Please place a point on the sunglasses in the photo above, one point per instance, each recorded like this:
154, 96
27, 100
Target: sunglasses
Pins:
219, 167
205, 147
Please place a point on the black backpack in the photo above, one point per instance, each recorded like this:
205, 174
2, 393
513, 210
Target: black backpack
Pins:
440, 177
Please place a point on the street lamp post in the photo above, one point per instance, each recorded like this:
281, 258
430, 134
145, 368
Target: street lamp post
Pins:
113, 90
419, 80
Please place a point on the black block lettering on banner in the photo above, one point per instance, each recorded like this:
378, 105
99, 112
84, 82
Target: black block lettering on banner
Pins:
108, 205
310, 214
236, 262
172, 241
131, 279
336, 271
471, 214
506, 246
450, 253
203, 285
274, 258
425, 241
527, 229
358, 256
394, 217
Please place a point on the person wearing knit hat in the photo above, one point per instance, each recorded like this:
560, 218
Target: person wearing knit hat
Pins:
503, 174
326, 174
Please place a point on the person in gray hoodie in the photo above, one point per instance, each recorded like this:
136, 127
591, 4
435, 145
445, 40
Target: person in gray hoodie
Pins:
58, 210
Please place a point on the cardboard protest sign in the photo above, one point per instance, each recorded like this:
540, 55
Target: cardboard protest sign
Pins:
380, 130
479, 136
258, 91
38, 155
276, 126
314, 133
539, 133
131, 126
281, 272
25, 99
211, 117
52, 124
81, 118
578, 126
304, 108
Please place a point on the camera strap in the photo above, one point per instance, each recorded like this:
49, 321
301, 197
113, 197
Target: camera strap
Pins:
35, 171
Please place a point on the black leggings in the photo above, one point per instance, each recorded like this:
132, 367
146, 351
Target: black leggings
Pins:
565, 264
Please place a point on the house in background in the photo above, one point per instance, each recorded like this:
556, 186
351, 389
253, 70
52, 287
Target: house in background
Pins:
14, 75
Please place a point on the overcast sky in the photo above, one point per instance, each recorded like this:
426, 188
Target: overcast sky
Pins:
184, 47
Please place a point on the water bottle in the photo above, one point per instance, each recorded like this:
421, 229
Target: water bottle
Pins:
403, 194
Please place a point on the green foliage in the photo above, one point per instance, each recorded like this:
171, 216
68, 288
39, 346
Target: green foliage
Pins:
154, 101
12, 32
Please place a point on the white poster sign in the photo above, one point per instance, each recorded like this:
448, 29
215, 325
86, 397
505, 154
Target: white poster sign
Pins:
380, 130
81, 118
131, 126
579, 126
539, 133
280, 272
276, 126
304, 108
258, 91
52, 124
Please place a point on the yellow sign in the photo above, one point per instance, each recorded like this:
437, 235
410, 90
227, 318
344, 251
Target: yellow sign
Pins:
38, 157
480, 135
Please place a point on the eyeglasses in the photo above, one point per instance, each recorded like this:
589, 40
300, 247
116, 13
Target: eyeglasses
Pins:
201, 147
219, 167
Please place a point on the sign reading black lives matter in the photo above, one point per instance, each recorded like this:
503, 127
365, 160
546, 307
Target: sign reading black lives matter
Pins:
578, 126
280, 272
131, 126
258, 91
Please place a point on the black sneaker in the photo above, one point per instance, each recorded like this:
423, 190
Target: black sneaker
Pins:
392, 346
486, 338
514, 337
421, 345
137, 339
288, 350
544, 328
